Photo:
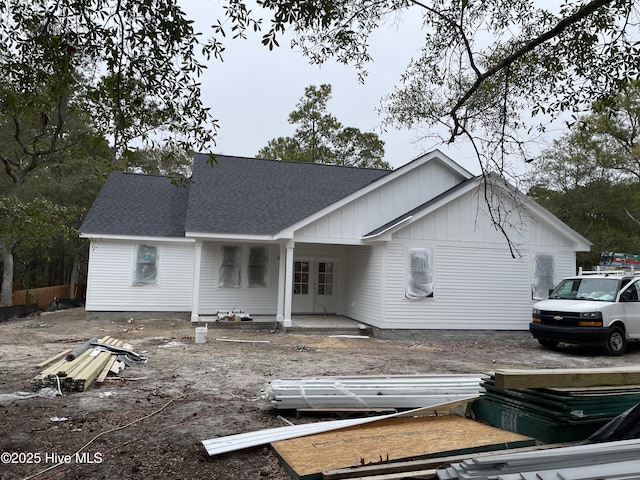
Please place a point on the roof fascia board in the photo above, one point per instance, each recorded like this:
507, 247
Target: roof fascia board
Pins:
448, 162
229, 236
434, 155
385, 235
136, 238
328, 241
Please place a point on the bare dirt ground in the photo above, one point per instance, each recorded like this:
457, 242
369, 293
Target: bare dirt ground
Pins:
149, 421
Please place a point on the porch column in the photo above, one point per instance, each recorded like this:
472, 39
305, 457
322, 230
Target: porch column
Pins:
195, 293
288, 287
282, 275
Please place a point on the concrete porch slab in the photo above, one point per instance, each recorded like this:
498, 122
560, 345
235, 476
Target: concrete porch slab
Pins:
306, 324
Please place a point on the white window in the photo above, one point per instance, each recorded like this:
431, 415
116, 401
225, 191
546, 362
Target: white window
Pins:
146, 268
257, 267
229, 274
419, 274
542, 277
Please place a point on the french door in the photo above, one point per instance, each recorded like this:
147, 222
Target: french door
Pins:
314, 288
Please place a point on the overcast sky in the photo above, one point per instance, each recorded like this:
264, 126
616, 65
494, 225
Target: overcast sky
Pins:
253, 91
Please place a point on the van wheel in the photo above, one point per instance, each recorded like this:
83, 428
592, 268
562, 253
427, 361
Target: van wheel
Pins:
616, 341
546, 343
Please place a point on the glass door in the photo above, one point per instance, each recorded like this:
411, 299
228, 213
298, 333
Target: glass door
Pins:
313, 286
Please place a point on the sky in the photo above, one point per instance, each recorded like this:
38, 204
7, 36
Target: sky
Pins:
253, 91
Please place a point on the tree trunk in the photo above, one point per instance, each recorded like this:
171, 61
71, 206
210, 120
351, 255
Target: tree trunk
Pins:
73, 278
6, 297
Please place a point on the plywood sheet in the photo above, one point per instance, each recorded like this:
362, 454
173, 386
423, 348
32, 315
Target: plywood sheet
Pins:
392, 439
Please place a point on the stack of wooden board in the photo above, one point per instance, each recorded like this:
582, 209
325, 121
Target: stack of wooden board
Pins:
556, 405
76, 370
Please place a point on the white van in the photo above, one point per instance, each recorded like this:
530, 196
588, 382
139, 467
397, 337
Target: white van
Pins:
595, 308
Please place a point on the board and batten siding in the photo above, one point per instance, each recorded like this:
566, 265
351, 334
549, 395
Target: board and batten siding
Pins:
363, 291
111, 268
350, 222
255, 300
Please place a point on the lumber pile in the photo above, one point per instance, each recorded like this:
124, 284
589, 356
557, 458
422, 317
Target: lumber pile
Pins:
556, 406
75, 370
369, 392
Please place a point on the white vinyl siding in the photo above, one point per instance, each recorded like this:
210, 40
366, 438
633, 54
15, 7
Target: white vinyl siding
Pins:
110, 286
475, 287
364, 287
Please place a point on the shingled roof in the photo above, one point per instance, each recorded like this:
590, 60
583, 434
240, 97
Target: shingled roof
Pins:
236, 195
254, 196
138, 205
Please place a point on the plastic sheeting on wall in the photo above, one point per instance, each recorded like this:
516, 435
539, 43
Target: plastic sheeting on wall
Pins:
543, 276
420, 274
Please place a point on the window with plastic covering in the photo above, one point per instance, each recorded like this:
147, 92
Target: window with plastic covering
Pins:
257, 267
146, 267
419, 283
229, 273
542, 278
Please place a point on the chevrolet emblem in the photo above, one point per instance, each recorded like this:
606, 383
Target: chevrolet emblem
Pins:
557, 317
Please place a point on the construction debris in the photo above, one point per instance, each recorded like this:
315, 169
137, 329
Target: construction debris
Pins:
555, 414
80, 350
611, 460
370, 392
230, 443
391, 440
90, 362
233, 315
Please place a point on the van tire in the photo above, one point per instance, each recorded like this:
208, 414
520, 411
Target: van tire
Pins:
616, 341
546, 343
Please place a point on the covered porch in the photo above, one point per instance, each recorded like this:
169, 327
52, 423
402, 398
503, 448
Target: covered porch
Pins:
296, 284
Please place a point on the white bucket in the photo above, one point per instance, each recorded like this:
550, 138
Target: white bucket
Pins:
201, 334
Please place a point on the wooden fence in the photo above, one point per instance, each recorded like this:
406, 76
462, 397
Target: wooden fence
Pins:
45, 296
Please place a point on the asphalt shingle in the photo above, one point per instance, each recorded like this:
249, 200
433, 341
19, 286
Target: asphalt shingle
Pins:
235, 195
258, 197
138, 205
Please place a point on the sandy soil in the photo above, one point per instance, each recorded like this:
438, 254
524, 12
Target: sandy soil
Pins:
149, 421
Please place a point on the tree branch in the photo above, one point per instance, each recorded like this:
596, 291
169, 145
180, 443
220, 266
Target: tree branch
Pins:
456, 26
582, 13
